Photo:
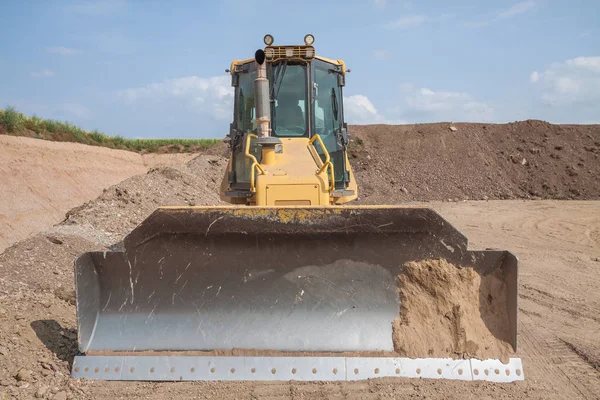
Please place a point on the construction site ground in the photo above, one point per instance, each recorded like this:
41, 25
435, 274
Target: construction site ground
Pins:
507, 204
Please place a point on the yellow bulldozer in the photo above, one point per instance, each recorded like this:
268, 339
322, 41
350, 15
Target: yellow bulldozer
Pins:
287, 282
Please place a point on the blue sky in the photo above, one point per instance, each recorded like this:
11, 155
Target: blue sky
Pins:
156, 68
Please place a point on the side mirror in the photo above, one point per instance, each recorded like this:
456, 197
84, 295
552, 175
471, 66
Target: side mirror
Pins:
344, 133
334, 104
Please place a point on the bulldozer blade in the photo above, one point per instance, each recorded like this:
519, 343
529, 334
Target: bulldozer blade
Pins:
285, 279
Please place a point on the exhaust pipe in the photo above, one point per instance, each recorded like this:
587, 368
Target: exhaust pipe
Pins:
261, 96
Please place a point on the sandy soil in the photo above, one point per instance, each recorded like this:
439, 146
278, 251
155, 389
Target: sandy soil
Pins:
41, 180
441, 314
557, 243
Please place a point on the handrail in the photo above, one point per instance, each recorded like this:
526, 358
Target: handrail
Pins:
327, 162
255, 163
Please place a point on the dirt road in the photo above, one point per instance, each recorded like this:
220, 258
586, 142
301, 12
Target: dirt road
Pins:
559, 319
41, 180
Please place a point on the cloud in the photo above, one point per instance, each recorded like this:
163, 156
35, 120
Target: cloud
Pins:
427, 105
418, 105
513, 11
45, 73
534, 77
63, 51
359, 110
517, 9
575, 82
213, 95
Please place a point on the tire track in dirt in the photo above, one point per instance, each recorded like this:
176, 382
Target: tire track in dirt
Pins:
549, 301
547, 358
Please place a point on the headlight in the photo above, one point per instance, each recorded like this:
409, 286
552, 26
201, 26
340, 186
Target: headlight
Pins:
309, 39
270, 53
268, 40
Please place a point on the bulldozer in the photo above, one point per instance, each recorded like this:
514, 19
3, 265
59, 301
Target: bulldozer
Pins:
286, 282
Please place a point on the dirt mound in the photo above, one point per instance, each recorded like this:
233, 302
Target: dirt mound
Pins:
42, 180
529, 159
451, 312
122, 207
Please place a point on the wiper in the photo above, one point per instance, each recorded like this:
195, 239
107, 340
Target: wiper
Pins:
278, 75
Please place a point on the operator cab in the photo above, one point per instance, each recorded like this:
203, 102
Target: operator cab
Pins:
306, 99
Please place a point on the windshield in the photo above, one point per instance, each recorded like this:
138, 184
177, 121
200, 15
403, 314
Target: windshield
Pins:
246, 108
288, 111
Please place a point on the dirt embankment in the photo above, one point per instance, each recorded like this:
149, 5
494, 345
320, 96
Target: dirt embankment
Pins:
529, 159
41, 180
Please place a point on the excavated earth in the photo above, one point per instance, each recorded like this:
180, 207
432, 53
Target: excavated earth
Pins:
41, 180
522, 160
557, 242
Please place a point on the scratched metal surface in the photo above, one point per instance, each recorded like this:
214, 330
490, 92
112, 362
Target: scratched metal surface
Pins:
304, 280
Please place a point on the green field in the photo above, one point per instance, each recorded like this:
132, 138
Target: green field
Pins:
13, 122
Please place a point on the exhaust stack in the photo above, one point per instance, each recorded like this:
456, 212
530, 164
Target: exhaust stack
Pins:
261, 96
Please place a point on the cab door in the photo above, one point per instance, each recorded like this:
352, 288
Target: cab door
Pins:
244, 123
328, 121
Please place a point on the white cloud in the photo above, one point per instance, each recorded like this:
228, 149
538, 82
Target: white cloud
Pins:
513, 11
63, 51
427, 105
212, 95
517, 9
534, 77
359, 110
419, 105
589, 63
45, 73
575, 82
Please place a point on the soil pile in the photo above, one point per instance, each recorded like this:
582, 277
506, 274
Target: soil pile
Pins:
446, 311
122, 207
41, 180
529, 159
